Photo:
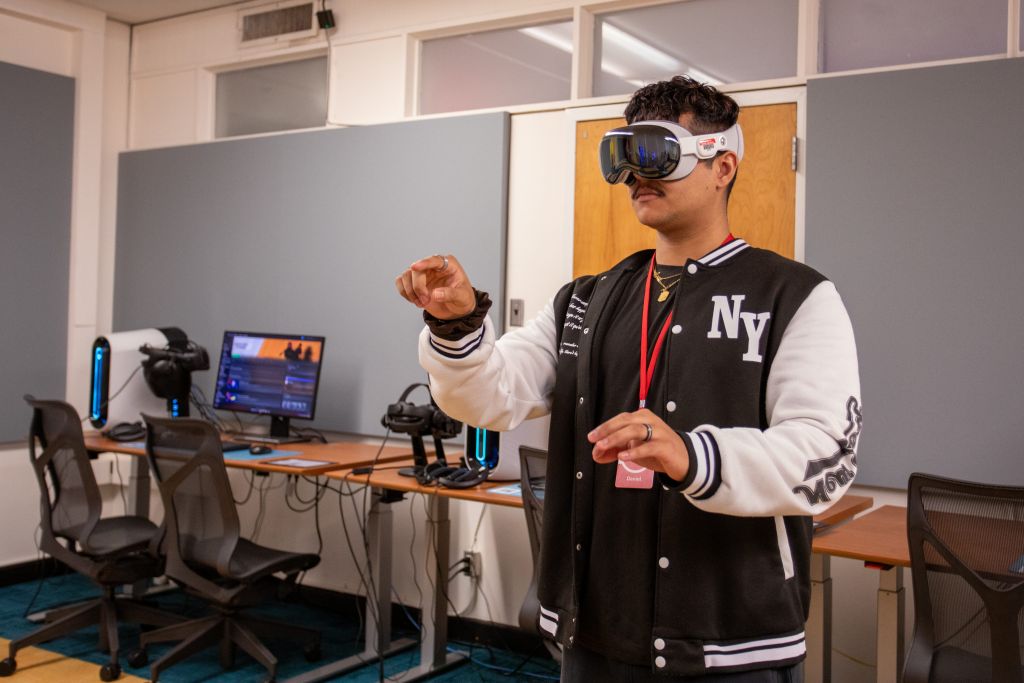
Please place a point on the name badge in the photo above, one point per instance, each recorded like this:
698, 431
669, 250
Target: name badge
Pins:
630, 476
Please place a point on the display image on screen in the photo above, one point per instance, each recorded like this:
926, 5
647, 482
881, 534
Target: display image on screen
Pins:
269, 374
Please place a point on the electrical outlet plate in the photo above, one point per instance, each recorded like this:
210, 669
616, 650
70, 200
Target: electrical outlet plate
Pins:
475, 563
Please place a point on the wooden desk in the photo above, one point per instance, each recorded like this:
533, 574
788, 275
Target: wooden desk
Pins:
879, 539
336, 455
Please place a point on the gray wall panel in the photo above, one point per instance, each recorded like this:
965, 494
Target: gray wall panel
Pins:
37, 120
305, 233
915, 208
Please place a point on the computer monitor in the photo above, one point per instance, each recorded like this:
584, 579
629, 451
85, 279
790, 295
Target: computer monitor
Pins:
269, 374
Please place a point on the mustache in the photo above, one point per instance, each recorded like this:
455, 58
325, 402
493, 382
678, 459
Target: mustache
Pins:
638, 188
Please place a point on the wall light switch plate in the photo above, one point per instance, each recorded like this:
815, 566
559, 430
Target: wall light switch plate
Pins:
515, 313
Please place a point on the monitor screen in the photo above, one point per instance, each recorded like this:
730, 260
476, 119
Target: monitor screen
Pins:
269, 374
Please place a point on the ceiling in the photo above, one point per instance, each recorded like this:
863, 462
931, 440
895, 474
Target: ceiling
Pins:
141, 11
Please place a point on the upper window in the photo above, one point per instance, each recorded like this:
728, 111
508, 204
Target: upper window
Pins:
714, 41
862, 34
496, 68
262, 99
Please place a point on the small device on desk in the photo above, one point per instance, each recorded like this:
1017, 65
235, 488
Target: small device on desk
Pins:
269, 374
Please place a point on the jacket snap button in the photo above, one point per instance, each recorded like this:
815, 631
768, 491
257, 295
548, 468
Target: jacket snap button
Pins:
659, 662
691, 269
579, 475
670, 406
579, 546
676, 329
586, 330
659, 644
581, 400
663, 563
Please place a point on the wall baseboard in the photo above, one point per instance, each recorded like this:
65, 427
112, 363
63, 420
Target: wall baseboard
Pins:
31, 571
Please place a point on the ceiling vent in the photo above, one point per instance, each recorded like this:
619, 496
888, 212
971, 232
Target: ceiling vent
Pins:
280, 21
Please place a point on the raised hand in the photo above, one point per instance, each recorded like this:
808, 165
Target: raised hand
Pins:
439, 285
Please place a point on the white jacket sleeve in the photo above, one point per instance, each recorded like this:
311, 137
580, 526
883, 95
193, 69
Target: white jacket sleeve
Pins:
491, 383
806, 459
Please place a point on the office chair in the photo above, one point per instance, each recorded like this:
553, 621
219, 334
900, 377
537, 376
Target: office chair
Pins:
206, 555
967, 562
532, 472
110, 551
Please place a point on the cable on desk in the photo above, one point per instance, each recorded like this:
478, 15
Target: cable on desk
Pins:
117, 468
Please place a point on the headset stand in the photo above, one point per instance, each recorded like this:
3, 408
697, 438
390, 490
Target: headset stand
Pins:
419, 456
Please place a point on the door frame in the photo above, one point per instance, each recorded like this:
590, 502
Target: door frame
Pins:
795, 94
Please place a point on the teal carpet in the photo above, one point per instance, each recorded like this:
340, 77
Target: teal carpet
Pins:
341, 637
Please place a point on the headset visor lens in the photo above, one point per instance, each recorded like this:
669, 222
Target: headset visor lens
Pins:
649, 151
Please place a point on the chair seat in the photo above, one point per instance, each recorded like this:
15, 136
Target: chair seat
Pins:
251, 561
117, 535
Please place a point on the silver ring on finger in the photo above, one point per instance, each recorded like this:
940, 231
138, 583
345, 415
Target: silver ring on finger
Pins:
650, 432
444, 262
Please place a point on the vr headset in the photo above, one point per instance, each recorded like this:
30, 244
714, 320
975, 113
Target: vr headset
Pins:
661, 150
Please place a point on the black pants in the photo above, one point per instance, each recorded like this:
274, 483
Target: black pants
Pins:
584, 666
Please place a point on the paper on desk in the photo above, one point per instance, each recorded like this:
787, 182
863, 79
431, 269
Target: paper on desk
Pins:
510, 490
299, 462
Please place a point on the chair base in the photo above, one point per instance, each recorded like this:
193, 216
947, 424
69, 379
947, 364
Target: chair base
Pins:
106, 611
230, 631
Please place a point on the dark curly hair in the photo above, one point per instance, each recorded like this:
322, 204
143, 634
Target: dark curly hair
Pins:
712, 111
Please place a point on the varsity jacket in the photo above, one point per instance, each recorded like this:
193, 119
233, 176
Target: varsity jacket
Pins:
761, 382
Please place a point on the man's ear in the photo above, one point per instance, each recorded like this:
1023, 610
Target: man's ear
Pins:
725, 169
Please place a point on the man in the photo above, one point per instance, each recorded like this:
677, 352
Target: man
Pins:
682, 474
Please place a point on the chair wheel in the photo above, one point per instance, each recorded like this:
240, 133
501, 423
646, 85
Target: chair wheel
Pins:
138, 658
110, 672
8, 667
312, 652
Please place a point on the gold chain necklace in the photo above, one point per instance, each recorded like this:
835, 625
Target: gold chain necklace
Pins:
665, 287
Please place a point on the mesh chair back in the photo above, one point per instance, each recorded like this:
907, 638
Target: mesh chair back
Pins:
70, 498
199, 511
532, 472
967, 560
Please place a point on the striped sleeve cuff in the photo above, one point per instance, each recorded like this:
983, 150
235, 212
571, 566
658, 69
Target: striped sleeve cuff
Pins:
705, 473
460, 348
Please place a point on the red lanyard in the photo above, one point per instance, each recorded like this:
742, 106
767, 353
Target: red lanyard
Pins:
647, 371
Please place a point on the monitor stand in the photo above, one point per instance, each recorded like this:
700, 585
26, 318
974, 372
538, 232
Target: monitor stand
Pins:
280, 432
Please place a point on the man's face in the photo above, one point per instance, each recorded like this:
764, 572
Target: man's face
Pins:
670, 206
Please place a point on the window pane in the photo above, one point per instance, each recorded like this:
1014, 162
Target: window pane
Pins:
860, 34
715, 41
268, 98
496, 68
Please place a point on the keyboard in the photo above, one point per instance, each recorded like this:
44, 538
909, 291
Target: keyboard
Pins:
229, 446
271, 440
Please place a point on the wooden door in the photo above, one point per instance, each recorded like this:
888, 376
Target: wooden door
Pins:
762, 208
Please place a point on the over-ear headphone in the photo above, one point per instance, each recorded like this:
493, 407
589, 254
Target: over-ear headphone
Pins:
168, 371
126, 431
406, 417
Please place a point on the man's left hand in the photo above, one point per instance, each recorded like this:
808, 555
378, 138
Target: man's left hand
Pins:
623, 438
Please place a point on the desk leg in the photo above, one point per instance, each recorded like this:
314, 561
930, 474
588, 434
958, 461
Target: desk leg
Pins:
434, 655
818, 668
891, 615
378, 614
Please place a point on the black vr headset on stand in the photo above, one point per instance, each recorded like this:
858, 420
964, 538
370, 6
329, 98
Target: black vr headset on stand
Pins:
418, 421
